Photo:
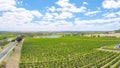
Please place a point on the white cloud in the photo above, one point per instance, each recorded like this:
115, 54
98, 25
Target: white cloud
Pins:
36, 13
66, 6
63, 22
64, 15
20, 2
48, 16
112, 15
111, 4
98, 8
85, 3
6, 5
109, 15
16, 18
98, 21
22, 17
55, 19
65, 11
55, 16
91, 13
52, 9
118, 13
98, 24
64, 3
55, 26
72, 9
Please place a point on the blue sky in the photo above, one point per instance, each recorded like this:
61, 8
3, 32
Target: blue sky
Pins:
59, 15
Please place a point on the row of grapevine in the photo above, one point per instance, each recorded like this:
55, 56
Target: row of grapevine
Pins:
113, 62
96, 59
117, 65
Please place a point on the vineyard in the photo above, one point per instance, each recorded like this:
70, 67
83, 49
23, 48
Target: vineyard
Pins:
3, 39
2, 42
68, 52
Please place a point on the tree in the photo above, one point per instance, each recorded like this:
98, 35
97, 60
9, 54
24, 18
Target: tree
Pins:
19, 38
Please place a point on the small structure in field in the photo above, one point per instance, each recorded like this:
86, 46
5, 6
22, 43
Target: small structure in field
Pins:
117, 46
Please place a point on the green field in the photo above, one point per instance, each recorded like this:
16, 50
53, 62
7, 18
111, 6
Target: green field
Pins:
3, 43
3, 39
68, 52
5, 36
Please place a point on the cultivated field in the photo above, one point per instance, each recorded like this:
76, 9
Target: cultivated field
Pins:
69, 52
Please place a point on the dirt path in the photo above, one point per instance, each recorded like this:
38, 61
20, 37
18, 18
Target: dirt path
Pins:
13, 61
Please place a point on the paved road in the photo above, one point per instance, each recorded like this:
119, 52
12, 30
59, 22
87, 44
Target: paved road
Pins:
4, 53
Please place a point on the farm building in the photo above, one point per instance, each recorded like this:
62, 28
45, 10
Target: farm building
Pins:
117, 46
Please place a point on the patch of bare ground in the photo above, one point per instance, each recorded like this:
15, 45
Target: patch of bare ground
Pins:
14, 58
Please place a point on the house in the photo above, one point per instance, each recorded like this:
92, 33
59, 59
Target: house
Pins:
117, 47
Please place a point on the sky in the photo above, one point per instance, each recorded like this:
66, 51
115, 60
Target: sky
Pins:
59, 15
